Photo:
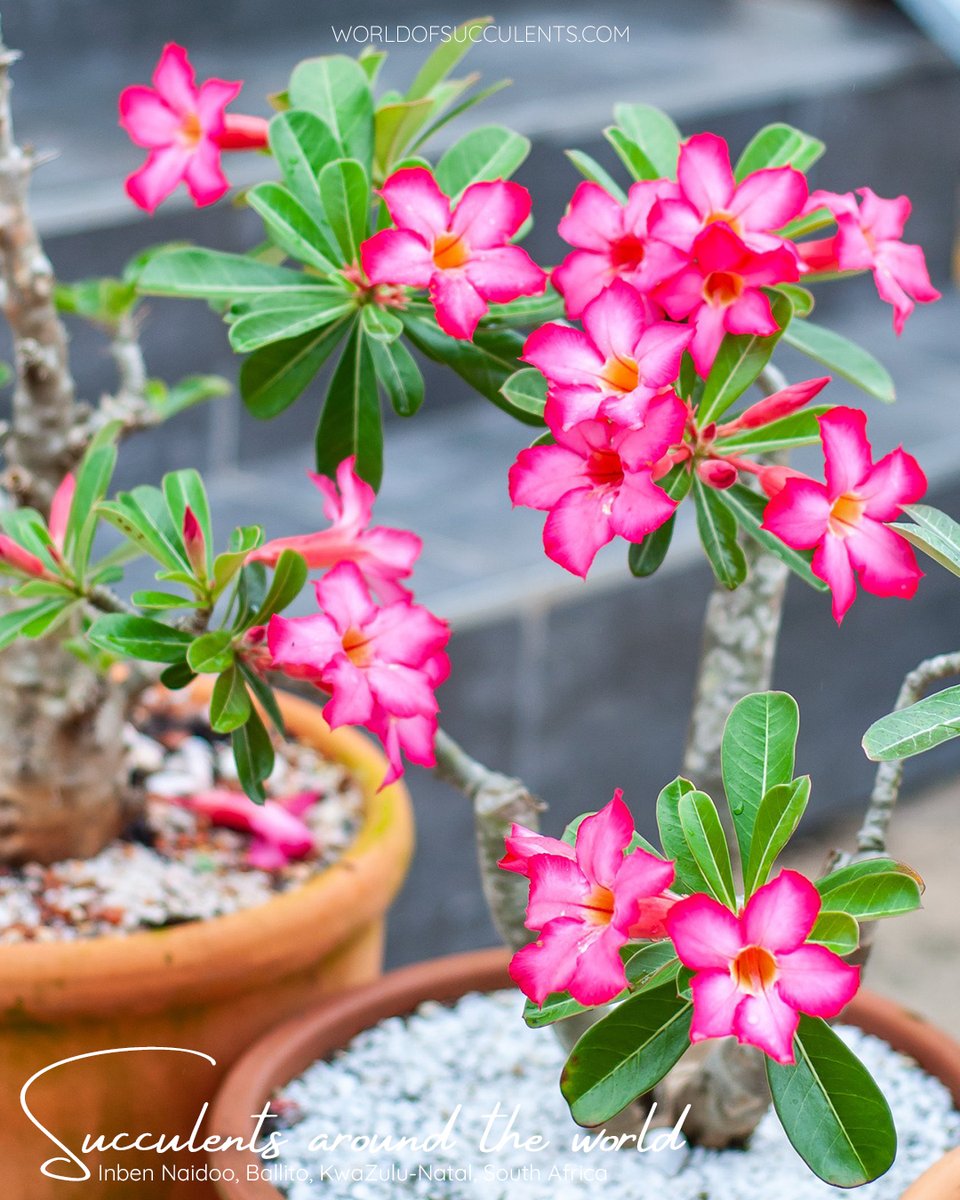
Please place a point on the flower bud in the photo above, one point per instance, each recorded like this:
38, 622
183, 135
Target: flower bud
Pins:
60, 509
717, 473
781, 404
194, 543
772, 479
14, 556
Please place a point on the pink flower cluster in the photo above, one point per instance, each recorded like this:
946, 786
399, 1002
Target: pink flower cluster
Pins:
754, 971
380, 659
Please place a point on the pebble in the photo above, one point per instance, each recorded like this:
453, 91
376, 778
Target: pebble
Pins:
408, 1077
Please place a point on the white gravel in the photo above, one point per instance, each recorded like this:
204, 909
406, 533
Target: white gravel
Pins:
407, 1077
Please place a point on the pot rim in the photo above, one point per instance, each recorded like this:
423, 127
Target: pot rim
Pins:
288, 1050
151, 968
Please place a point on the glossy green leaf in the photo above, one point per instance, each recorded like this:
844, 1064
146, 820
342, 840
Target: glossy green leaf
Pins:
913, 730
289, 577
527, 310
936, 534
380, 324
643, 558
527, 390
92, 481
398, 376
655, 136
689, 877
182, 490
14, 624
395, 126
337, 89
445, 57
747, 506
717, 527
194, 389
459, 109
590, 169
490, 152
739, 361
350, 423
801, 298
212, 652
139, 637
161, 600
625, 1054
345, 191
262, 328
226, 565
216, 275
838, 931
264, 695
302, 144
142, 516
274, 376
177, 676
703, 833
871, 897
842, 357
831, 1110
254, 756
230, 702
757, 753
779, 146
799, 429
292, 227
103, 301
778, 816
629, 153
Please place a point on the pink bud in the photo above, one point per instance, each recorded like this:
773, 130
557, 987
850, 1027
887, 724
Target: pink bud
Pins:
717, 473
12, 554
241, 132
60, 509
781, 404
194, 543
772, 479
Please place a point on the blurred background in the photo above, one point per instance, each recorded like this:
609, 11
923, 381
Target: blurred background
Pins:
578, 688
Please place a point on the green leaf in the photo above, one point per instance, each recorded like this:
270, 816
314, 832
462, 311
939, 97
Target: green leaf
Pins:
748, 508
445, 57
936, 534
194, 389
629, 153
526, 389
395, 126
13, 624
459, 109
337, 89
801, 298
139, 637
590, 169
253, 754
739, 361
103, 301
654, 135
776, 821
215, 275
161, 600
812, 222
913, 730
350, 422
225, 566
177, 676
230, 703
490, 152
872, 896
703, 833
757, 753
302, 144
211, 653
718, 533
289, 576
689, 877
647, 556
184, 489
292, 227
779, 146
259, 329
838, 931
264, 695
625, 1054
398, 376
799, 429
843, 357
142, 516
831, 1110
345, 191
93, 480
273, 377
380, 324
527, 310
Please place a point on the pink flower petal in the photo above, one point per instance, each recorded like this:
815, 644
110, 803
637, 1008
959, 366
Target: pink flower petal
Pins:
659, 351
158, 177
640, 507
147, 118
547, 964
893, 481
458, 305
580, 277
397, 256
768, 199
599, 975
351, 700
558, 888
884, 561
174, 80
706, 935
885, 219
769, 1023
345, 597
415, 202
564, 355
846, 451
403, 691
205, 180
816, 981
705, 175
715, 1001
593, 218
490, 213
504, 273
663, 423
780, 915
615, 320
542, 475
831, 563
909, 267
577, 527
750, 314
641, 880
523, 844
798, 514
602, 839
709, 329
212, 98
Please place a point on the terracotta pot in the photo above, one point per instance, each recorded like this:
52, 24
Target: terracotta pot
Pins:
288, 1050
209, 986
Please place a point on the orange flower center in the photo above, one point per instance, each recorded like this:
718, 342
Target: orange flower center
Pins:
753, 970
191, 131
599, 905
356, 646
722, 287
845, 514
628, 252
727, 219
449, 251
620, 374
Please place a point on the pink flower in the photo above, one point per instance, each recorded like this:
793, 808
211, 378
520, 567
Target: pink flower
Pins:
384, 555
719, 290
615, 365
763, 202
185, 129
844, 520
756, 973
596, 482
380, 664
279, 834
462, 255
868, 238
586, 902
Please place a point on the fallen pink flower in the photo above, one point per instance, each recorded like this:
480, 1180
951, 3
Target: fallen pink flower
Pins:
279, 835
384, 555
844, 520
614, 366
719, 291
461, 254
380, 664
586, 902
755, 973
185, 128
596, 482
869, 238
708, 193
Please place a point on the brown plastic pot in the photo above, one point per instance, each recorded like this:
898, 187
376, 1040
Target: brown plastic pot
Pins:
286, 1052
210, 986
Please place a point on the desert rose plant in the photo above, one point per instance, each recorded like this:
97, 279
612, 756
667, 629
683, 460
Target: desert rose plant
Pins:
633, 361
